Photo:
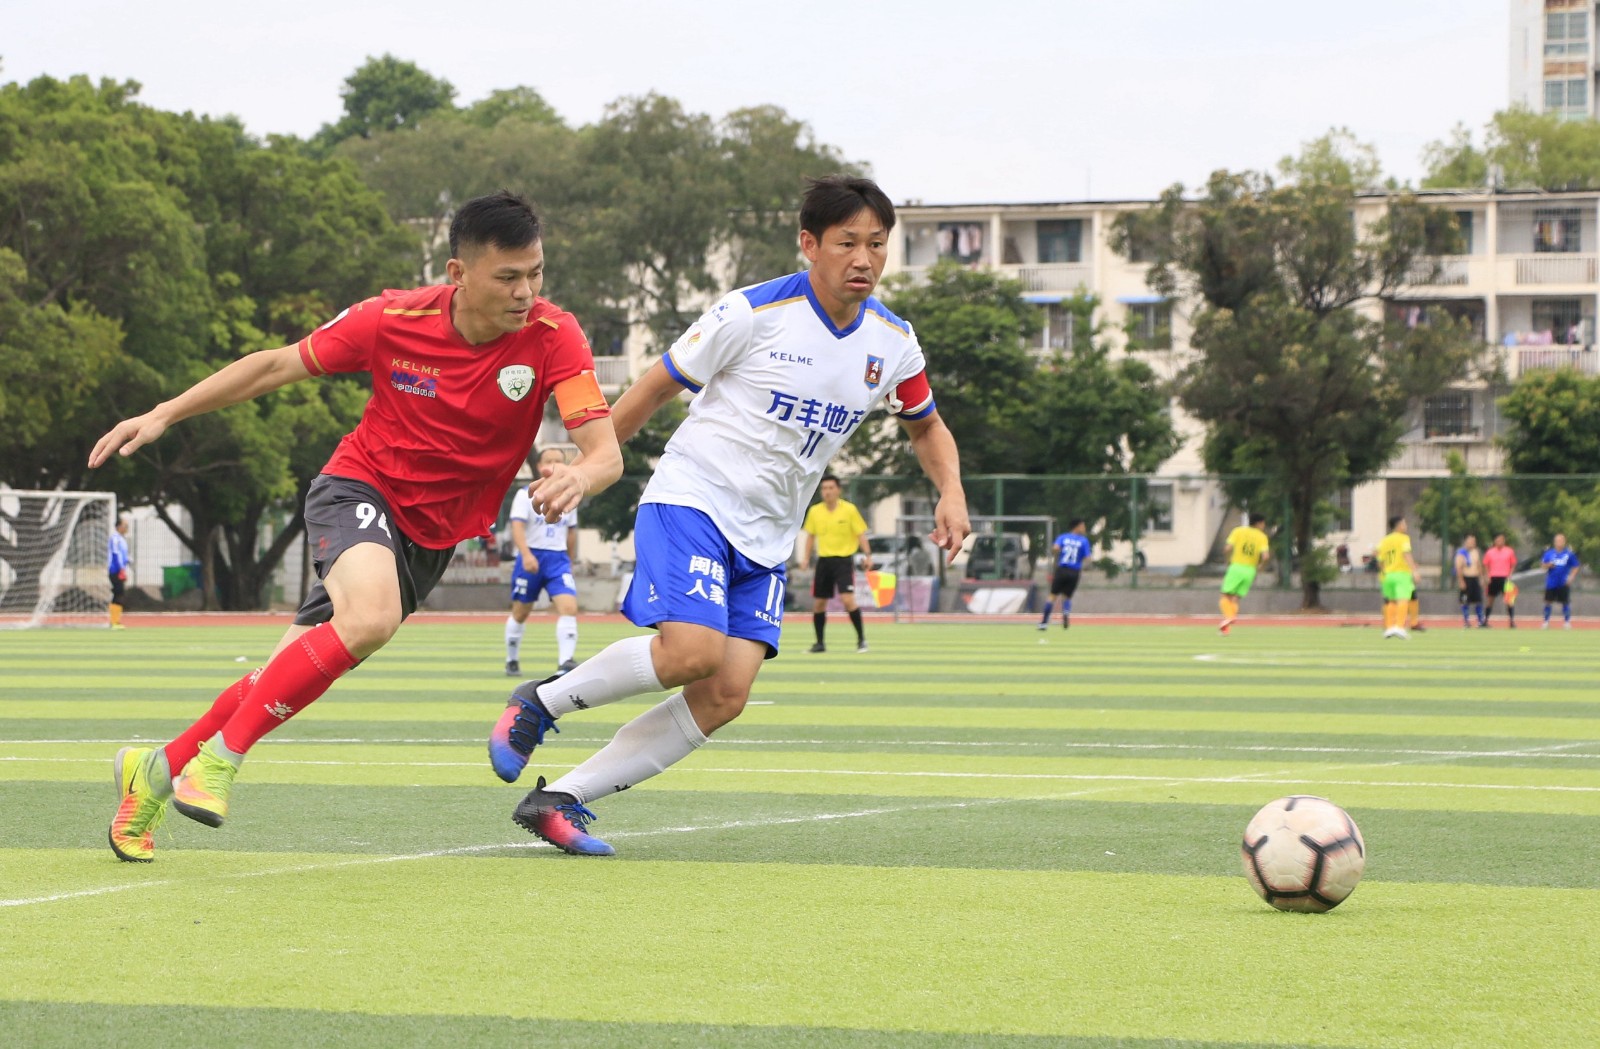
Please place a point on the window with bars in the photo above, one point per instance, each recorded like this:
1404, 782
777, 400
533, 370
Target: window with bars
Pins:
1557, 230
1566, 33
1057, 328
1157, 506
1150, 326
1448, 414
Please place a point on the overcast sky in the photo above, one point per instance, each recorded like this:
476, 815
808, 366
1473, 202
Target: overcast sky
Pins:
949, 102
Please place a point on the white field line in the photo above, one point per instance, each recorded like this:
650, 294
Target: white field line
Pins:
1530, 752
466, 850
1062, 777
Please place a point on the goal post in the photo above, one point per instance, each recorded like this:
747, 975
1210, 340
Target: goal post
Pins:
53, 548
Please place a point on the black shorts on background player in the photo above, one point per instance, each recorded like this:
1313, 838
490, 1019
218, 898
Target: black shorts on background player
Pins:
1065, 582
1558, 595
1471, 590
1497, 586
834, 575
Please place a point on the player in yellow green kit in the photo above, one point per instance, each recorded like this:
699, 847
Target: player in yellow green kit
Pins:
1247, 550
1399, 577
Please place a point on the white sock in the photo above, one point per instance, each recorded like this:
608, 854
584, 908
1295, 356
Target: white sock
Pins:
566, 638
620, 670
649, 744
513, 637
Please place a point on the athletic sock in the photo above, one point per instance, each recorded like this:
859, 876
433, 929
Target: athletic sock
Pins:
1464, 620
116, 615
622, 669
1048, 605
1547, 613
819, 622
1478, 611
187, 745
1566, 613
566, 638
513, 637
1415, 610
861, 631
649, 744
292, 681
1222, 603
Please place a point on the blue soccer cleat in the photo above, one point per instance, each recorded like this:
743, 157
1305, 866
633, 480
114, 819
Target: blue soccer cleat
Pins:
560, 820
519, 730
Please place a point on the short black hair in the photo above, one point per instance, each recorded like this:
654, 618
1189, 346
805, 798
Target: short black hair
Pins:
826, 478
1394, 522
833, 199
1075, 522
505, 220
1257, 518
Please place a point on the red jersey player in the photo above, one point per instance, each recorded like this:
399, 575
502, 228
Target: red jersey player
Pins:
460, 376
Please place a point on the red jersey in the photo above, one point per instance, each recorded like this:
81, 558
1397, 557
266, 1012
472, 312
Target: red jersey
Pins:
449, 423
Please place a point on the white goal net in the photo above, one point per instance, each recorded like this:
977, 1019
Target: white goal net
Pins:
53, 549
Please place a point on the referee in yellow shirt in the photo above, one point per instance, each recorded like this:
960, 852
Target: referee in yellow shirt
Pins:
834, 531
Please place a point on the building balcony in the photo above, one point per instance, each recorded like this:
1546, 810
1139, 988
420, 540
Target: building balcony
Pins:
1454, 271
1058, 277
612, 373
1429, 456
1544, 270
1582, 359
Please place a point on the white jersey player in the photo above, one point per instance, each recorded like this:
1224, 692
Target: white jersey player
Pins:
542, 553
784, 373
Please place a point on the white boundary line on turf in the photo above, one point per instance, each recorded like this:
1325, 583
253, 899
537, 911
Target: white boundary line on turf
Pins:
1287, 775
466, 850
1527, 752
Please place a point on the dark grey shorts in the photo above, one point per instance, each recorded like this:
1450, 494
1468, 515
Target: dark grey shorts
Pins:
341, 513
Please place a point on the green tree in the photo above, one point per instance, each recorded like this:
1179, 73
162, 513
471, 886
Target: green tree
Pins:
1463, 505
382, 95
165, 246
1292, 382
1555, 431
1524, 149
1014, 410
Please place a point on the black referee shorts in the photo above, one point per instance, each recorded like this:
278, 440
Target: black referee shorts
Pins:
834, 575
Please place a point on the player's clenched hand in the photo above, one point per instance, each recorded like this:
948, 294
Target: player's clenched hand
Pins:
951, 526
127, 436
562, 491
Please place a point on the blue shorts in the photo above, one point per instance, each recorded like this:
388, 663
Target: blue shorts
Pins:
553, 576
687, 572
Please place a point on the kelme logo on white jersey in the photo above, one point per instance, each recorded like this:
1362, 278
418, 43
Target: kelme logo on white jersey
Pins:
516, 380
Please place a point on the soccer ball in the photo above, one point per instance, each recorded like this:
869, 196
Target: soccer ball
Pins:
1303, 854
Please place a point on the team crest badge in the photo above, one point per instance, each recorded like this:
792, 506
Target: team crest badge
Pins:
516, 381
874, 372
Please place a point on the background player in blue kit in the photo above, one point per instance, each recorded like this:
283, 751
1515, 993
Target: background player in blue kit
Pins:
542, 560
784, 373
1072, 549
1560, 565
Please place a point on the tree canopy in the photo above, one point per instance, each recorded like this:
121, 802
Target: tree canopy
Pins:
1292, 382
1521, 150
1014, 409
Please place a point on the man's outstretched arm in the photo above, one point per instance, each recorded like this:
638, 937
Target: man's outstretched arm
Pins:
246, 378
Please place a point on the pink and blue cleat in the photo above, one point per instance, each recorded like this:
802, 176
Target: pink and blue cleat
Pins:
560, 820
521, 728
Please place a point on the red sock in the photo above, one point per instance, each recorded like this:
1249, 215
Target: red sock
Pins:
187, 745
290, 683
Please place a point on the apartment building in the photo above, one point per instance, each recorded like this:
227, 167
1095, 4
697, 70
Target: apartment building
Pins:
1553, 57
1527, 280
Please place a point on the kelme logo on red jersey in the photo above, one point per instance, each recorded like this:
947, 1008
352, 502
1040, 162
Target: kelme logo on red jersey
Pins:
516, 381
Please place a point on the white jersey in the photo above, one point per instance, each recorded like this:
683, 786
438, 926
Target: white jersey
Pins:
542, 535
780, 391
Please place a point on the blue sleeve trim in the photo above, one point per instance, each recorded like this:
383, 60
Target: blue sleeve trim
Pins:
678, 374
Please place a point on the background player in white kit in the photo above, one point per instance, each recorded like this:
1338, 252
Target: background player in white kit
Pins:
784, 371
542, 556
